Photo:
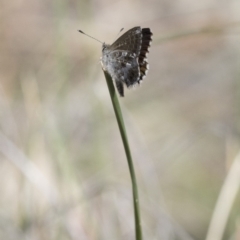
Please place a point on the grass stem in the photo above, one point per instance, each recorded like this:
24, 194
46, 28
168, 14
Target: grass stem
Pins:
118, 113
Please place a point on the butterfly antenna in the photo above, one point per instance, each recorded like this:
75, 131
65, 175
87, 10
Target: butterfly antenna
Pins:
89, 36
120, 31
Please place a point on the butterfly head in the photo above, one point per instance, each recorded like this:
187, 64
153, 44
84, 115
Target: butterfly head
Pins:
104, 46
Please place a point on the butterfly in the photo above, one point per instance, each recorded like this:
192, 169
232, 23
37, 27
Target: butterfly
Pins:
126, 59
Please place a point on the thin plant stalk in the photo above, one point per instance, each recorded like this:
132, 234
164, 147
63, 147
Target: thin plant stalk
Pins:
225, 202
118, 113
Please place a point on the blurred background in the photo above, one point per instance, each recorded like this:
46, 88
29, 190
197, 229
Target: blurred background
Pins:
63, 170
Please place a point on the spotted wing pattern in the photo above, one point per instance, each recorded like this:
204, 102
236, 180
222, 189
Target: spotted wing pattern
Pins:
126, 59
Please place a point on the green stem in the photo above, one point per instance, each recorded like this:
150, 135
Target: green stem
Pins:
121, 126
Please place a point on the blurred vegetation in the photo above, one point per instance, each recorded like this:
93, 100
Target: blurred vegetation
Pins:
63, 170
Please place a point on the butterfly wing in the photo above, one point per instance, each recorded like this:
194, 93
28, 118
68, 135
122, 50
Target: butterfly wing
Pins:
129, 41
123, 68
142, 58
137, 40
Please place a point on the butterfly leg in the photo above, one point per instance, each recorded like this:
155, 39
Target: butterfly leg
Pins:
119, 86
